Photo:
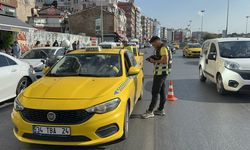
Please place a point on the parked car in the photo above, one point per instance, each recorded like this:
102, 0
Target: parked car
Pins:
15, 76
41, 57
192, 50
172, 48
85, 99
226, 62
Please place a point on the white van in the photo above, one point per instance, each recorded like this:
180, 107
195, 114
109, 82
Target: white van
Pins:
226, 62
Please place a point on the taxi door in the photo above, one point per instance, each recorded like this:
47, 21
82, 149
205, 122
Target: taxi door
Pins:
137, 79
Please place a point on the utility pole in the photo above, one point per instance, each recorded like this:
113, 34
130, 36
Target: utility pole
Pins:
101, 21
202, 18
228, 6
247, 17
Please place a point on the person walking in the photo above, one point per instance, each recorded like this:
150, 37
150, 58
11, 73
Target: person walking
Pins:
161, 71
37, 44
74, 45
16, 50
55, 44
47, 44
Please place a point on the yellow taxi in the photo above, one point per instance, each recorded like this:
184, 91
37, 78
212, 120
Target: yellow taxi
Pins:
192, 50
85, 99
138, 55
176, 45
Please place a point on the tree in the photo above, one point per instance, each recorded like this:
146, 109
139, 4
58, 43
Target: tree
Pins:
210, 36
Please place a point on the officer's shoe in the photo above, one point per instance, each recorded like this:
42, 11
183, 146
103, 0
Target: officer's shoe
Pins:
159, 113
147, 115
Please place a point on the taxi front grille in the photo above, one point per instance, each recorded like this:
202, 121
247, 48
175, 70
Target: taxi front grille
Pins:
57, 138
61, 116
245, 74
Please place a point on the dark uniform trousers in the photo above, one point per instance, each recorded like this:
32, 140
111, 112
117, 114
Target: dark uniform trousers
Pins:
159, 86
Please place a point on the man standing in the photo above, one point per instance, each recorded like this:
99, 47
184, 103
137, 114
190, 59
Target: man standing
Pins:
161, 71
16, 50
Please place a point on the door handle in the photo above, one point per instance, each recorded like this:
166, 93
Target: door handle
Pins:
13, 70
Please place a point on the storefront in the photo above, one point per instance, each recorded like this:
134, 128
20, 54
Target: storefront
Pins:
10, 26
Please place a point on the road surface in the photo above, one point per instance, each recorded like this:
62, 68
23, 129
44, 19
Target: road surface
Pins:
200, 119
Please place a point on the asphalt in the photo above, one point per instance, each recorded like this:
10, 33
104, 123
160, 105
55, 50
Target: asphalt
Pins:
199, 120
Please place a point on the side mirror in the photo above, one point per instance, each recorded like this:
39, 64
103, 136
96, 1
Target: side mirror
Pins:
134, 71
46, 70
212, 56
141, 54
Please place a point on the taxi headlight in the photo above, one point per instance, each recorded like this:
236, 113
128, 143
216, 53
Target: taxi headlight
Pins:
231, 65
17, 105
104, 107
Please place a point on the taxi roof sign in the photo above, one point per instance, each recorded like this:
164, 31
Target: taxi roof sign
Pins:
93, 48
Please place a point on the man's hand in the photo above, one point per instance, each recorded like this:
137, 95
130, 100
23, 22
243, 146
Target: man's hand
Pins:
151, 60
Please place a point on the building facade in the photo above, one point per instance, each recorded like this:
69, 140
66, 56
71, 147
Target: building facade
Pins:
48, 18
88, 21
138, 25
147, 27
130, 12
24, 9
163, 33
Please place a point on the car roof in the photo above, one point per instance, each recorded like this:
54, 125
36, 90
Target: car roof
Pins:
52, 48
107, 43
103, 51
231, 39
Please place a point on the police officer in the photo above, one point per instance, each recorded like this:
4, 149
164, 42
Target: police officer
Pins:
161, 70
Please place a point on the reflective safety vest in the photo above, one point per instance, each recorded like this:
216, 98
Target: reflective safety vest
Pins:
163, 69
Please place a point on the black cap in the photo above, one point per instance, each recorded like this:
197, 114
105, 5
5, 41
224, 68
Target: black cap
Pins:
154, 38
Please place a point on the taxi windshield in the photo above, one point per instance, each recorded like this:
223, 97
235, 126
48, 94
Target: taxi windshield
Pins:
89, 65
194, 46
38, 54
235, 49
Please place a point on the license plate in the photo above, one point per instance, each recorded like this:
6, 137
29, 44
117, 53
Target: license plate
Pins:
51, 130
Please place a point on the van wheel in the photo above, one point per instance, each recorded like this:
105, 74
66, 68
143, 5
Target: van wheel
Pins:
219, 84
202, 77
23, 83
126, 124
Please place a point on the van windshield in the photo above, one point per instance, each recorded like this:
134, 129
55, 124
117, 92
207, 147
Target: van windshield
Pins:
235, 49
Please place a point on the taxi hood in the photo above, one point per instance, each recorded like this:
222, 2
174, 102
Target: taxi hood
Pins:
72, 88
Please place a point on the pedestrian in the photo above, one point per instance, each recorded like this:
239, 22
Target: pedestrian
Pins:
37, 44
74, 45
16, 50
55, 44
161, 71
47, 44
126, 46
78, 45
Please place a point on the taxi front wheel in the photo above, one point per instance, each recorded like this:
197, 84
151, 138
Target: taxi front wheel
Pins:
126, 124
220, 87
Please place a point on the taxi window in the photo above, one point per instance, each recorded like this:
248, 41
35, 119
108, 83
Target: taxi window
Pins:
135, 51
131, 58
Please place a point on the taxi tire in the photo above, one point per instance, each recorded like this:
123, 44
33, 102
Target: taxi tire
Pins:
219, 85
201, 74
22, 84
126, 124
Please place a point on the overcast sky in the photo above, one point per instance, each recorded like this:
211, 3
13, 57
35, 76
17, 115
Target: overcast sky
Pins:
177, 13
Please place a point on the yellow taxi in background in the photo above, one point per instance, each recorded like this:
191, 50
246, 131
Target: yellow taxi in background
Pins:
86, 98
138, 56
176, 45
192, 50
